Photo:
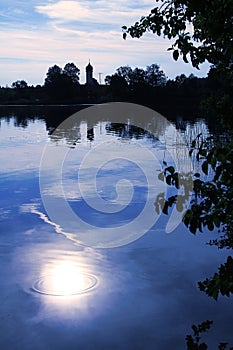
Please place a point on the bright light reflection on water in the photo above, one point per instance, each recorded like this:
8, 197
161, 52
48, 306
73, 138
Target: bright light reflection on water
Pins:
64, 279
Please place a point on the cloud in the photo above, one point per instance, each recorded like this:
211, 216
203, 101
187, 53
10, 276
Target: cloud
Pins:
94, 12
64, 10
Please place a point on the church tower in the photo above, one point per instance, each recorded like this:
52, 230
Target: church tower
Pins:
89, 74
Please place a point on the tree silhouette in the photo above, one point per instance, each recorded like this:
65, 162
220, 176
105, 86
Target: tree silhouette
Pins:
70, 70
61, 83
53, 76
151, 76
154, 76
19, 84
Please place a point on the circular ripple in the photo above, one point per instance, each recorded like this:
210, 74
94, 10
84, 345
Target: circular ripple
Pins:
49, 284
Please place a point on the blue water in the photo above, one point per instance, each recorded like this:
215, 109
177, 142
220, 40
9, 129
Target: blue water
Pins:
143, 295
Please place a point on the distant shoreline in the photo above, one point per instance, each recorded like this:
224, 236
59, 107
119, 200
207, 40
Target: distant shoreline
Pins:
48, 105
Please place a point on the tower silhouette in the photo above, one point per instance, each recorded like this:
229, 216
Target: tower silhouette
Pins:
89, 74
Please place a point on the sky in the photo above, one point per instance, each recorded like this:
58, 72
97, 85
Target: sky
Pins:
36, 34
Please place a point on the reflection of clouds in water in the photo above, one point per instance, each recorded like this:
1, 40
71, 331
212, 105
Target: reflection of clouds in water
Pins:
4, 213
13, 135
30, 232
55, 190
32, 208
20, 158
83, 233
145, 157
17, 144
104, 172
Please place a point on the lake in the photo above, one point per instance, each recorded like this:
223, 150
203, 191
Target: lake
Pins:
86, 262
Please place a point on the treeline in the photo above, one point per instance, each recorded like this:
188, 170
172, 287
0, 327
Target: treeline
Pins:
151, 87
148, 86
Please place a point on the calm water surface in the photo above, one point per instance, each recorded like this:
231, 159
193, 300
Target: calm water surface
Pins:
58, 294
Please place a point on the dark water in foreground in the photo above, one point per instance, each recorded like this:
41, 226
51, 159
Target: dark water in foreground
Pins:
58, 294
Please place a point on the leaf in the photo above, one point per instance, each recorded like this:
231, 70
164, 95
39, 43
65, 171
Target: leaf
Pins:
170, 169
161, 176
193, 144
205, 168
179, 206
210, 226
217, 221
222, 346
176, 180
185, 59
218, 172
169, 179
203, 152
192, 229
215, 294
190, 152
154, 10
157, 209
175, 55
197, 185
165, 208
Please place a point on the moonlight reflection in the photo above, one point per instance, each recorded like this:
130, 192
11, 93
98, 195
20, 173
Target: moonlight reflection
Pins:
65, 279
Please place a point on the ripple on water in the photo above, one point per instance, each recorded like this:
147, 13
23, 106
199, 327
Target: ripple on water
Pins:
51, 285
65, 280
